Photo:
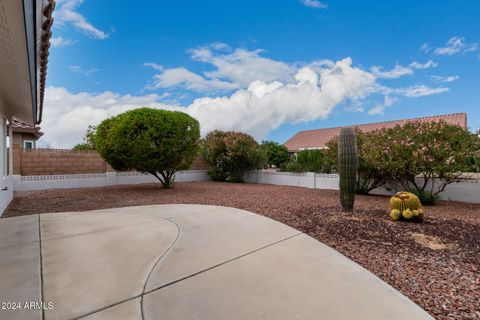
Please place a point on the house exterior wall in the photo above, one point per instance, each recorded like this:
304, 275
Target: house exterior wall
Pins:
6, 181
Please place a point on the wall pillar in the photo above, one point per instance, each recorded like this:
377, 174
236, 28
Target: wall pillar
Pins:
111, 178
311, 180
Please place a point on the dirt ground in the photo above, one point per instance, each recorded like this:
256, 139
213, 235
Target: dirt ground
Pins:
436, 263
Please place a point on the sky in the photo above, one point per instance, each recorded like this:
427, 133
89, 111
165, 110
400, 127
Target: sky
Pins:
268, 68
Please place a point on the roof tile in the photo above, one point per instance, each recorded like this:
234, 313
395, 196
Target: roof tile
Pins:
318, 138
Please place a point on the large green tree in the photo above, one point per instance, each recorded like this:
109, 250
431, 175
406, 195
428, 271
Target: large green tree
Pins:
277, 154
158, 142
231, 154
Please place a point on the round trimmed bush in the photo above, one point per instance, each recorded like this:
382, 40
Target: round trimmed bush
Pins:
159, 142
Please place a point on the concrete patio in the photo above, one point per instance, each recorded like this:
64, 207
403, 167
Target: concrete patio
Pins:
183, 262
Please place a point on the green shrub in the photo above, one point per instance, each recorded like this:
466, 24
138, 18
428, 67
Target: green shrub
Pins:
277, 154
474, 161
314, 161
82, 147
291, 166
369, 176
474, 164
422, 157
308, 161
231, 154
158, 142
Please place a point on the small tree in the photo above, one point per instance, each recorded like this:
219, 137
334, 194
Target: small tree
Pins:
277, 154
82, 147
158, 142
89, 137
88, 140
231, 154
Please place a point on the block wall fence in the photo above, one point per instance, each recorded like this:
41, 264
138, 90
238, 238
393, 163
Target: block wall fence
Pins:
467, 190
42, 169
39, 162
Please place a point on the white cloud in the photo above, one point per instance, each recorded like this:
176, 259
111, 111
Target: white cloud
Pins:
242, 66
415, 91
66, 13
153, 65
426, 65
314, 4
389, 101
472, 47
397, 72
442, 79
380, 108
61, 42
220, 46
456, 45
356, 106
257, 110
67, 115
185, 79
421, 91
231, 70
80, 70
425, 48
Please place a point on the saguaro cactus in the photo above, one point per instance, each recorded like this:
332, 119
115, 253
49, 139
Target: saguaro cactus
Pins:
347, 167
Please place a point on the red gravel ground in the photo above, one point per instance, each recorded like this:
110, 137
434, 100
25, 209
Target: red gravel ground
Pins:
436, 264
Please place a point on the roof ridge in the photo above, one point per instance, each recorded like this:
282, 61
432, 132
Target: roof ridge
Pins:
388, 121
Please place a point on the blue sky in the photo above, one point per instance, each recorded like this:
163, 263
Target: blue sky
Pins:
270, 68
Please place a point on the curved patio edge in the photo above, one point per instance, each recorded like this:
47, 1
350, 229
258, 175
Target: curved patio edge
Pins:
225, 263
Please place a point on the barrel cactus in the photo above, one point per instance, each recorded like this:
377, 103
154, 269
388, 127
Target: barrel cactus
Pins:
347, 167
406, 206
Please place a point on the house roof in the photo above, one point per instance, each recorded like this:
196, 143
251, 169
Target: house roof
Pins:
25, 32
18, 126
44, 33
318, 138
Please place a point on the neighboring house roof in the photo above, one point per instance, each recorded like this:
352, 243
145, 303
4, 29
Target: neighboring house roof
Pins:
18, 126
318, 139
